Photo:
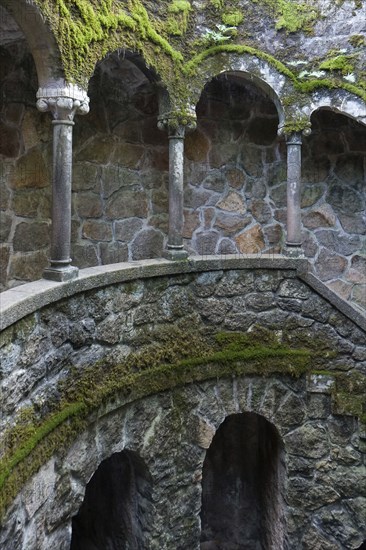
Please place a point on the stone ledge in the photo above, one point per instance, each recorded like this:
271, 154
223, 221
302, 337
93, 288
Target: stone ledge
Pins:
25, 299
355, 314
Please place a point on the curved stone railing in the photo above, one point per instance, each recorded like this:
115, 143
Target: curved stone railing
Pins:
27, 298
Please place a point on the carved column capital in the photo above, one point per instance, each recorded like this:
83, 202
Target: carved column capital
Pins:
177, 123
292, 134
63, 103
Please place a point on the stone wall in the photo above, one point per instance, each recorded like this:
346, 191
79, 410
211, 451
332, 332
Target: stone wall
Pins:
314, 413
236, 185
235, 188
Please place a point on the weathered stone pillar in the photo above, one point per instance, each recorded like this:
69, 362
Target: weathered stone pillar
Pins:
294, 241
63, 104
177, 128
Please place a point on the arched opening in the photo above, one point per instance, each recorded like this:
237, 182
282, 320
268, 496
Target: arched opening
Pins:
25, 165
232, 162
334, 202
117, 506
120, 167
243, 486
363, 546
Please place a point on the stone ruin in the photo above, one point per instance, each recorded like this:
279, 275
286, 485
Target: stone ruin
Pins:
183, 275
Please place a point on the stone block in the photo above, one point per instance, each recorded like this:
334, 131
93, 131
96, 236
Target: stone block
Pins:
260, 302
196, 146
147, 244
125, 230
115, 177
191, 223
194, 198
30, 172
4, 262
127, 203
294, 289
278, 195
273, 233
315, 169
321, 216
342, 288
345, 199
9, 141
308, 441
229, 224
226, 246
157, 159
31, 236
112, 253
329, 265
128, 155
85, 177
250, 157
232, 202
88, 205
309, 244
159, 221
357, 272
342, 244
5, 226
206, 242
159, 199
204, 433
28, 267
251, 241
350, 169
36, 128
260, 210
98, 150
235, 177
208, 216
84, 255
359, 295
321, 383
310, 194
222, 155
215, 181
97, 230
30, 202
213, 310
353, 224
316, 308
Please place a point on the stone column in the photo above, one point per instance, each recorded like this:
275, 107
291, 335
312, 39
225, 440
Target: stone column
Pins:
177, 128
294, 241
63, 104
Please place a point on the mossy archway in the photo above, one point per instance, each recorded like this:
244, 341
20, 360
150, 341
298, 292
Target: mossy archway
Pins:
117, 506
41, 41
243, 486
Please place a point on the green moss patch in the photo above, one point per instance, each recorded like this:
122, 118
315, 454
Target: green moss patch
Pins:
232, 18
86, 30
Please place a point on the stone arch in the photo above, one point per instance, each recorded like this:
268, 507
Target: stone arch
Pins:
123, 156
243, 486
262, 77
41, 41
343, 103
229, 159
117, 505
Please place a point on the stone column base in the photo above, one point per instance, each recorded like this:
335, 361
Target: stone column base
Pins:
175, 254
61, 274
293, 250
